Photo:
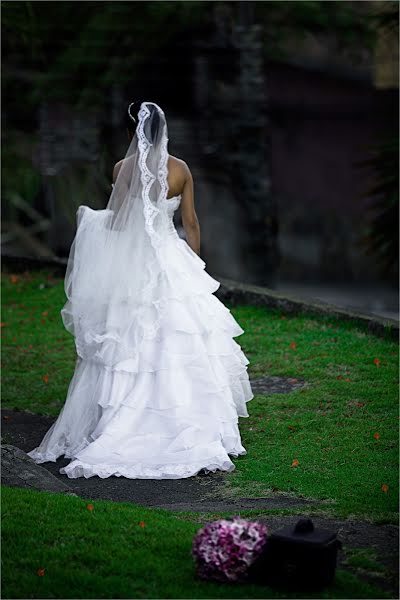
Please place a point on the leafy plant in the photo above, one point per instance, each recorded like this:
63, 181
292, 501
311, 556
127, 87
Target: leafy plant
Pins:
20, 178
380, 237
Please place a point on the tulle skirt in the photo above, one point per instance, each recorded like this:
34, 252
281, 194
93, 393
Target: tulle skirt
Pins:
172, 411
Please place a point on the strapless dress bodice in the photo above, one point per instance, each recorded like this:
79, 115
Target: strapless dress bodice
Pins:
172, 204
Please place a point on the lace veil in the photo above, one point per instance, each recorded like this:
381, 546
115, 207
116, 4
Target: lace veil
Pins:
114, 275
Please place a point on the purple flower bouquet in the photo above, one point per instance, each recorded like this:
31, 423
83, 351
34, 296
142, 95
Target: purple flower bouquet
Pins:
225, 549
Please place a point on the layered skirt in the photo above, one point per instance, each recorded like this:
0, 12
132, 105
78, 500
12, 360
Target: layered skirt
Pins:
174, 408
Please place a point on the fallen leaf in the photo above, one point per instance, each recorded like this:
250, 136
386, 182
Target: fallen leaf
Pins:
45, 313
90, 507
384, 488
2, 324
293, 345
377, 362
40, 572
292, 380
359, 404
346, 379
45, 378
295, 462
142, 524
14, 278
377, 435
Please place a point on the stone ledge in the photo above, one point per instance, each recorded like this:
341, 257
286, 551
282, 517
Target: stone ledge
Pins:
20, 470
242, 293
236, 293
18, 264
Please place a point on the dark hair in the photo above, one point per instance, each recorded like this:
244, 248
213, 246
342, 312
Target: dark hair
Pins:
132, 119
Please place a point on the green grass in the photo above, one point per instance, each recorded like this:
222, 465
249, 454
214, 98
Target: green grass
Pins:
35, 344
364, 558
328, 426
105, 553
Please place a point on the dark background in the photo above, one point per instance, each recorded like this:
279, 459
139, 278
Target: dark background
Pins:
286, 112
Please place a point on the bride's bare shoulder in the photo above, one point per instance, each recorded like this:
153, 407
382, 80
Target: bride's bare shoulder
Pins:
117, 168
177, 164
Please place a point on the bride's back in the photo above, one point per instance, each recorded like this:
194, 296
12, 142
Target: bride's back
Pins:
177, 175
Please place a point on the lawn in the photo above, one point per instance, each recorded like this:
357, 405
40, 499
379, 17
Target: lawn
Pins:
335, 440
54, 546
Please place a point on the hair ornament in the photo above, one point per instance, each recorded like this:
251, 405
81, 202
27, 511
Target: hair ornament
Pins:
129, 112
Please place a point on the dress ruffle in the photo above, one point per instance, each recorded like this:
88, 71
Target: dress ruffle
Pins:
181, 407
171, 409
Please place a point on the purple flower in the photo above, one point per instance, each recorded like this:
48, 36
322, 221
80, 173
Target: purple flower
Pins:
224, 549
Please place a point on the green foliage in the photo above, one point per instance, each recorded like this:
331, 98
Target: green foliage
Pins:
20, 178
380, 237
77, 50
387, 15
80, 49
284, 21
73, 53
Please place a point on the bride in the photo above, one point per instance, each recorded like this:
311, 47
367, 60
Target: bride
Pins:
159, 381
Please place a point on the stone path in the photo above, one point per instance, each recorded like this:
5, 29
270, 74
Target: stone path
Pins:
202, 493
276, 385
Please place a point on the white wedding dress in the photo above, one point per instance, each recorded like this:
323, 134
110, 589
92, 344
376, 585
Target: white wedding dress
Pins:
174, 410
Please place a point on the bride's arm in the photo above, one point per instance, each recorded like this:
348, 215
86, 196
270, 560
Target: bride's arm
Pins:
189, 218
